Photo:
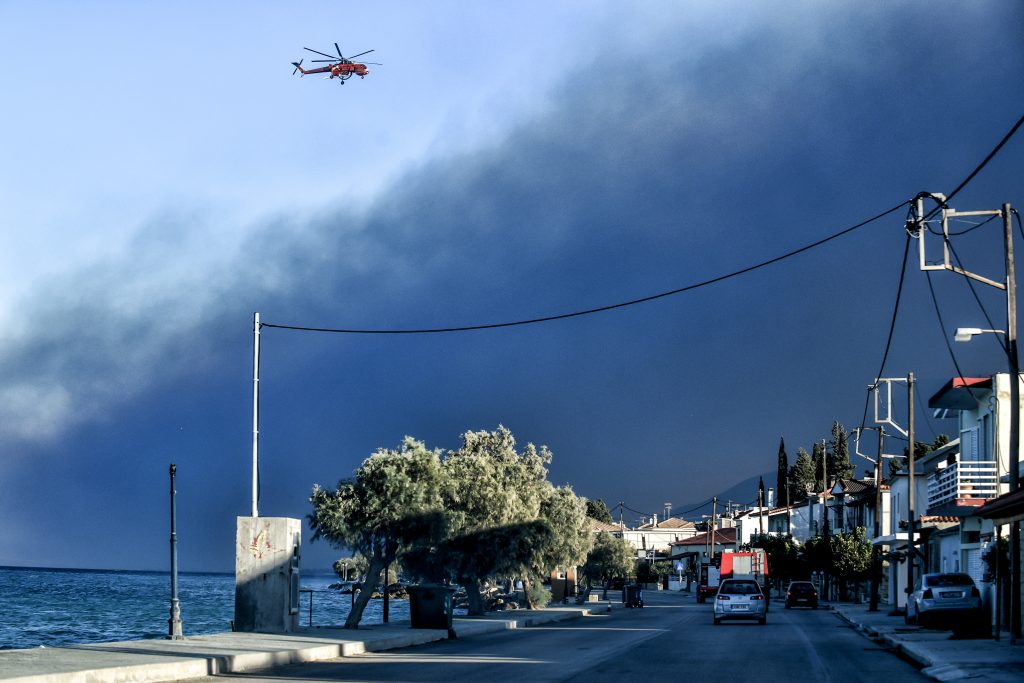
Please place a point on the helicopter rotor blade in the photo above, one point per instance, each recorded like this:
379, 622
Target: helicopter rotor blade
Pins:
324, 60
322, 54
372, 63
360, 54
339, 51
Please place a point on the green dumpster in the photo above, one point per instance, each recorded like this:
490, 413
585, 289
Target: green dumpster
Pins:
430, 606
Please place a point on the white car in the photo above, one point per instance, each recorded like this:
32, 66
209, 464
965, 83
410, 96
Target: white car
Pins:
740, 599
943, 595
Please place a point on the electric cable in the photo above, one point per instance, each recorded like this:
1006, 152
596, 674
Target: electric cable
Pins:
977, 299
599, 309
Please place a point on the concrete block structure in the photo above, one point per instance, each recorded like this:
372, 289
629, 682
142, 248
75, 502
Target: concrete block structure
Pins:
267, 552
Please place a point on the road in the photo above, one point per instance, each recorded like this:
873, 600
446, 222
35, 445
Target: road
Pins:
671, 638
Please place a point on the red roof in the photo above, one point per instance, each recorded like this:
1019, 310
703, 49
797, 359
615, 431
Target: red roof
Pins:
725, 536
959, 393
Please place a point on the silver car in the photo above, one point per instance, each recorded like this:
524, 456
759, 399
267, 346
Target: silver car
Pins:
943, 595
740, 599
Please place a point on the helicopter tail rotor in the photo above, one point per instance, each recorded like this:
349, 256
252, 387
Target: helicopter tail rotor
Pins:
298, 67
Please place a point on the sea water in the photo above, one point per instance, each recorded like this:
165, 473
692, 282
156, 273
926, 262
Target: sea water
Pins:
52, 607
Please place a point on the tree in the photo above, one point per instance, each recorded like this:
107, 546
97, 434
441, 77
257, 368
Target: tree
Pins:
393, 501
597, 509
491, 486
839, 465
801, 476
610, 557
851, 559
818, 456
571, 539
782, 475
920, 449
784, 561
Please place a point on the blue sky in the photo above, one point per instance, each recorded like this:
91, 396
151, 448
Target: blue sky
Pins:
165, 176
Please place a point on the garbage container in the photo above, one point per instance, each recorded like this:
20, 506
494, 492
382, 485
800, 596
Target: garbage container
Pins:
632, 595
430, 606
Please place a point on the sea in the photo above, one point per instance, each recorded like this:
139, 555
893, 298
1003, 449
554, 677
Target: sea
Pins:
54, 607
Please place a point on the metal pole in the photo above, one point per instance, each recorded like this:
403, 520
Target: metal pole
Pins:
1014, 460
824, 517
255, 413
876, 568
174, 623
387, 570
760, 511
714, 511
999, 582
911, 525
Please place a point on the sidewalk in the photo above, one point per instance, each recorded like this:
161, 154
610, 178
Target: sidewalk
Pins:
943, 657
171, 660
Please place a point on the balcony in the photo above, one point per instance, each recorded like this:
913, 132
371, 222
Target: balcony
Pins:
959, 481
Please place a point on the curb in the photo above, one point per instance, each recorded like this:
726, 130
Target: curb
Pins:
185, 666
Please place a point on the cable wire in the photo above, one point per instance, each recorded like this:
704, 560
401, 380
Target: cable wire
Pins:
600, 309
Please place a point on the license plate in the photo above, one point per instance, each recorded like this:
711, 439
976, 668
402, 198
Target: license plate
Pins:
952, 594
740, 608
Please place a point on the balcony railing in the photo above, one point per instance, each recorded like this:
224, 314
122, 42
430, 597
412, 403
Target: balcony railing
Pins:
977, 479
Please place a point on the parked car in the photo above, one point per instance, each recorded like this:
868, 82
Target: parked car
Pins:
938, 596
740, 599
801, 594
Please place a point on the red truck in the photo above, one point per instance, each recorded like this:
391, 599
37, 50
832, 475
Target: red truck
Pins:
750, 564
707, 586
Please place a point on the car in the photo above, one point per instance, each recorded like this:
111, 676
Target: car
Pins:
740, 599
952, 597
801, 594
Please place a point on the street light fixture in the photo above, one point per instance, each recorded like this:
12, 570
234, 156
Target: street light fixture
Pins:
966, 334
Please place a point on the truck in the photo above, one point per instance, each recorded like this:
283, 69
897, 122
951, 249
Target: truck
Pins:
750, 564
707, 586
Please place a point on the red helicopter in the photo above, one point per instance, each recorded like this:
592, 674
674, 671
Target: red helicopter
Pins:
340, 67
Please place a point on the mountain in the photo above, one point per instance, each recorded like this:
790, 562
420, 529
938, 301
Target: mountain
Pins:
741, 493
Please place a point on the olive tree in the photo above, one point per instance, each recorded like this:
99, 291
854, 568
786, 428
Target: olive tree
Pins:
393, 501
610, 557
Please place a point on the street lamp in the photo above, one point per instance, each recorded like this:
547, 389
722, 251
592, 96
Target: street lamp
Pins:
966, 334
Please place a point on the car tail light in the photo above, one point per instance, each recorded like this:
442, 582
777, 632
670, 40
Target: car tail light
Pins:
757, 597
788, 594
975, 593
927, 594
723, 597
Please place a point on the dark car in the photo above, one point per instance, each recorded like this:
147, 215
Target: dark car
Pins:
801, 594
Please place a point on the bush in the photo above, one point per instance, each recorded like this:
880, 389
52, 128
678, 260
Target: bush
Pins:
540, 594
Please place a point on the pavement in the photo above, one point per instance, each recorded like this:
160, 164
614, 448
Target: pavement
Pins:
941, 655
148, 661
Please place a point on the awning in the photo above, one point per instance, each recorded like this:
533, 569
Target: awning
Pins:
1007, 508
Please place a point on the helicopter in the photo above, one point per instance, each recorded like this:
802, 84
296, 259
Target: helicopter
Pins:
340, 67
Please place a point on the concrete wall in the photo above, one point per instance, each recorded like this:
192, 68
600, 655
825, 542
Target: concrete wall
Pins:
267, 553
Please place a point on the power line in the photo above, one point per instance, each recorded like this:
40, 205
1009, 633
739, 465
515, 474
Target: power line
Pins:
600, 309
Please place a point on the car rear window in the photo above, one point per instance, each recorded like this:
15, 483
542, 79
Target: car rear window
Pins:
950, 580
801, 588
741, 588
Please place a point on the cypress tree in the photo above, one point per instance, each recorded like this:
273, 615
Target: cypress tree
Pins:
782, 475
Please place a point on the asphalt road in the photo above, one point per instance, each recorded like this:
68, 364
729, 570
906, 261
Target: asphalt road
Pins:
672, 638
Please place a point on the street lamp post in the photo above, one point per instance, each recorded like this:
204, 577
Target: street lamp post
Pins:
174, 623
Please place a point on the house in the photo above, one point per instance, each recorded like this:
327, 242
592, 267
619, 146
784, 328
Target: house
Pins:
652, 535
971, 482
696, 549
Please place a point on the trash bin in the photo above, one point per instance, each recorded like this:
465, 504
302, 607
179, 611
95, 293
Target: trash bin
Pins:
633, 595
430, 606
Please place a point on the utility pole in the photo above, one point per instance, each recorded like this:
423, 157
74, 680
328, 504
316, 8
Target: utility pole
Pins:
255, 413
876, 568
824, 513
911, 547
1010, 286
714, 512
760, 510
1011, 351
